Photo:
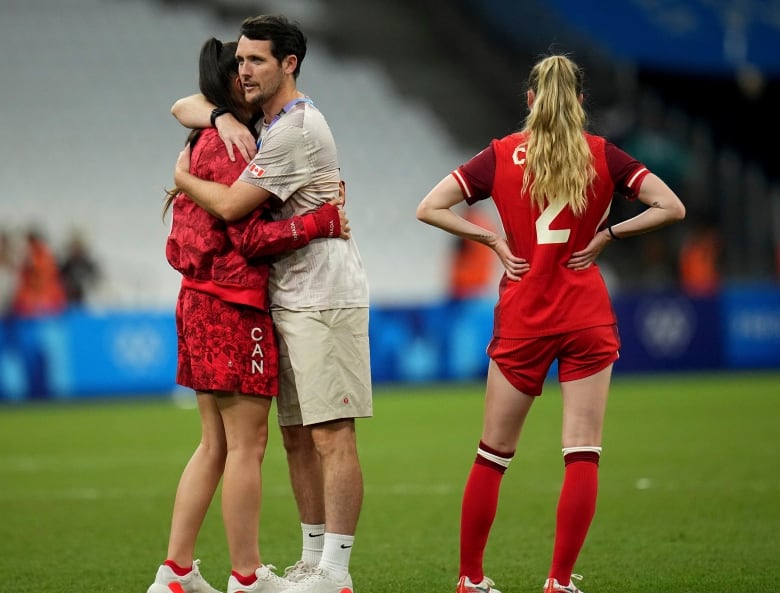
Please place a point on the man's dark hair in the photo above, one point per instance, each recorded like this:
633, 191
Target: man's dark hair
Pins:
285, 36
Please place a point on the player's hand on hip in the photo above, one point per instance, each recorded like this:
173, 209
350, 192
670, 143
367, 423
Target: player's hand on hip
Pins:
581, 260
514, 266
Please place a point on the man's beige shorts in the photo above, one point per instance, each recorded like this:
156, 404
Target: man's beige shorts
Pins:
324, 365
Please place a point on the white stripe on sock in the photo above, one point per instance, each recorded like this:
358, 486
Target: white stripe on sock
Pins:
567, 450
502, 461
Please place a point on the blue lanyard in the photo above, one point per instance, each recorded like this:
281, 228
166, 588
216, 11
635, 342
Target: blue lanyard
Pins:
284, 110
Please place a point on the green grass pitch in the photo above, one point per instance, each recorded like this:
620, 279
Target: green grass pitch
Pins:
689, 494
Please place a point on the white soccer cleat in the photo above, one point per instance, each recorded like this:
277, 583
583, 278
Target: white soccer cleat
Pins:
553, 586
484, 586
267, 582
318, 581
298, 571
167, 581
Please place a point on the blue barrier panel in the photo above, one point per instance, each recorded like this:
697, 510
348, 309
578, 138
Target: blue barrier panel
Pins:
407, 343
470, 328
659, 331
81, 353
127, 352
433, 342
668, 331
33, 360
751, 326
85, 353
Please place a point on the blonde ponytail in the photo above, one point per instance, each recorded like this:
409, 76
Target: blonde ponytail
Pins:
559, 163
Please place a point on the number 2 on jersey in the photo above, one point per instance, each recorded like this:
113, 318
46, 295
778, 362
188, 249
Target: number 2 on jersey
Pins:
544, 234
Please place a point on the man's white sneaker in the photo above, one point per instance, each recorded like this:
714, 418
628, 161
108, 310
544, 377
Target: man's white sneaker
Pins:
484, 586
267, 582
298, 571
167, 581
553, 586
321, 582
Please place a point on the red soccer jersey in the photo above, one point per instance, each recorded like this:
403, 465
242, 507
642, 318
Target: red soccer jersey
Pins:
199, 245
550, 299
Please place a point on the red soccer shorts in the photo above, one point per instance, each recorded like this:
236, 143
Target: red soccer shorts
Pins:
225, 347
526, 362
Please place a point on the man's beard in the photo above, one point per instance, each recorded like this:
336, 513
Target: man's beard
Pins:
257, 99
261, 96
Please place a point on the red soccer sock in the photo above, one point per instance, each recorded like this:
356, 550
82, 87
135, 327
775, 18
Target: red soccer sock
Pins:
178, 570
480, 500
576, 507
244, 580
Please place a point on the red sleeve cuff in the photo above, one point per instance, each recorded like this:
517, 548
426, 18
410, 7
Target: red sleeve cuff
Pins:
309, 227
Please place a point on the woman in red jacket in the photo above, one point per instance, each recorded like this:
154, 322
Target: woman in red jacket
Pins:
227, 348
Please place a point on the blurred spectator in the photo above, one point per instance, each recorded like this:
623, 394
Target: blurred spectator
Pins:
474, 265
79, 271
700, 259
39, 289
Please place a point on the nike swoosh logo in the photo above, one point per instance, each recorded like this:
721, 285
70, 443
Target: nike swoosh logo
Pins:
343, 547
316, 534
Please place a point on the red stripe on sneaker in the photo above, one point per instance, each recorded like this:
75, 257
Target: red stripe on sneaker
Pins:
176, 588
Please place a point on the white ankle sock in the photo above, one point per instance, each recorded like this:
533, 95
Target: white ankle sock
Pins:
313, 540
335, 554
